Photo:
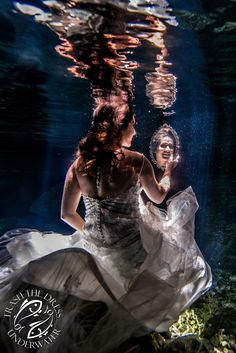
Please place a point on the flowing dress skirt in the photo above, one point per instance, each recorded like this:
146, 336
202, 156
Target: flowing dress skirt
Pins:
169, 274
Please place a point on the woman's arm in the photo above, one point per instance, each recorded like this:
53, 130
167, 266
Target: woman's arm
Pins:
70, 200
154, 190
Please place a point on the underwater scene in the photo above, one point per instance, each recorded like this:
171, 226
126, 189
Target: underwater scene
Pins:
174, 62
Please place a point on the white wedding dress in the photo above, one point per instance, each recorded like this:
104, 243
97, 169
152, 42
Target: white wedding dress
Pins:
141, 261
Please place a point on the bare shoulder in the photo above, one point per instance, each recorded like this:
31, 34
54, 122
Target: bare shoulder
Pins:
134, 154
134, 159
141, 162
72, 171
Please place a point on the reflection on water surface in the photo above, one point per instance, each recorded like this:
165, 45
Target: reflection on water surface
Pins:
101, 39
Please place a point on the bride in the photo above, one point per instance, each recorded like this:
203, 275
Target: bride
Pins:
143, 264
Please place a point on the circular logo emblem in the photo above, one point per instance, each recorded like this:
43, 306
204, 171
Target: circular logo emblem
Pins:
33, 316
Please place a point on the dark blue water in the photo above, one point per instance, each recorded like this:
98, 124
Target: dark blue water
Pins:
119, 51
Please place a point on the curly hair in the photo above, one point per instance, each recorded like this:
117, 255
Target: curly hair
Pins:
163, 131
101, 144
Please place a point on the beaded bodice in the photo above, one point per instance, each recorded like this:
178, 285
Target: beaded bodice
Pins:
114, 220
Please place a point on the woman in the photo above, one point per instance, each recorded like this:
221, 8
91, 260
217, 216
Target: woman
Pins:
146, 270
164, 146
104, 150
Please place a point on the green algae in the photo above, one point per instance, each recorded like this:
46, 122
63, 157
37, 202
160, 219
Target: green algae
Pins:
209, 325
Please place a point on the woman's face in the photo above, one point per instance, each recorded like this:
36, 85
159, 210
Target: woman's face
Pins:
164, 151
127, 134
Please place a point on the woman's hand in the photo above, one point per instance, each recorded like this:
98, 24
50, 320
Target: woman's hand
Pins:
165, 180
171, 163
156, 191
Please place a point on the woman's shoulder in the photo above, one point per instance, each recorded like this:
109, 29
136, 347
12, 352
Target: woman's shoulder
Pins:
73, 169
134, 159
133, 154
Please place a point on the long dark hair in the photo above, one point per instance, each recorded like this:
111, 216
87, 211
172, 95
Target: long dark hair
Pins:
101, 144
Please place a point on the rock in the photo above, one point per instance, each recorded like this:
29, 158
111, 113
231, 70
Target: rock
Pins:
232, 279
226, 320
185, 344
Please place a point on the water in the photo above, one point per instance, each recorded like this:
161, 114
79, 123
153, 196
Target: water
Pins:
173, 61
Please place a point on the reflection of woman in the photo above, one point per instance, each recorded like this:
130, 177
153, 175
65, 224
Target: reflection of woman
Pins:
164, 146
147, 269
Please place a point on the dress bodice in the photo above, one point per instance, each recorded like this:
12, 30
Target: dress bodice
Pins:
113, 224
113, 221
